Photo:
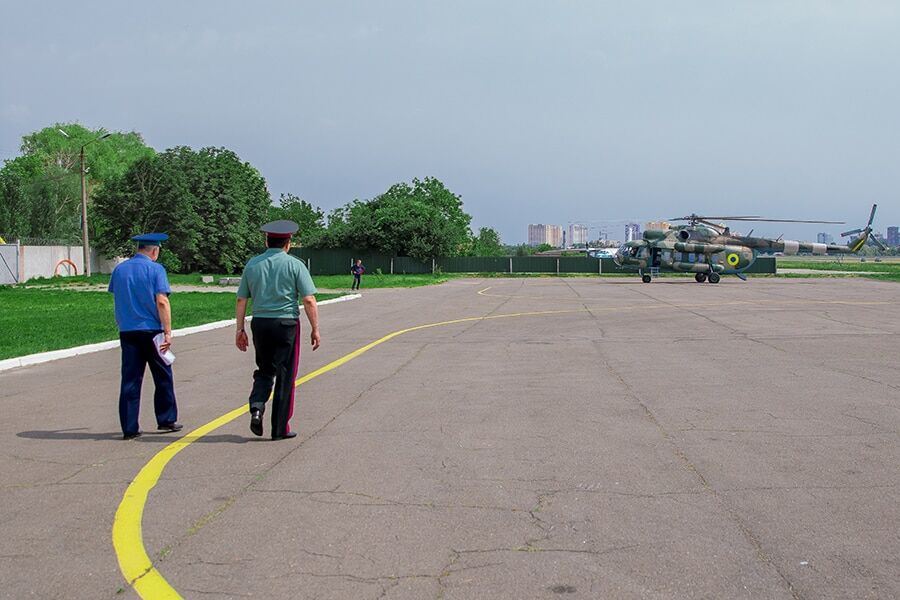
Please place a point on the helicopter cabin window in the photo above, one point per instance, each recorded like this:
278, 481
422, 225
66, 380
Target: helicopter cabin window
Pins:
692, 257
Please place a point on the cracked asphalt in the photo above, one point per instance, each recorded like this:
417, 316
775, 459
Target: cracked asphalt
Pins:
670, 440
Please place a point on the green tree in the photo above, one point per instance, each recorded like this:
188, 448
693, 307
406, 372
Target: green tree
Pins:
210, 203
421, 219
521, 250
310, 218
40, 191
487, 243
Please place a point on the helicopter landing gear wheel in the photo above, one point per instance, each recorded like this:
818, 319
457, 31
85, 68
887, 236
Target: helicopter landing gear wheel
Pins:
700, 277
714, 277
645, 278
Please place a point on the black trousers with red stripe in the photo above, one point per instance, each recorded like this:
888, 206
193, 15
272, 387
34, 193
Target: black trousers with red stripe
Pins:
277, 346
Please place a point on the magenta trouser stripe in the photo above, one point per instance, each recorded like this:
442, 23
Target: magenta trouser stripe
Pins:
294, 377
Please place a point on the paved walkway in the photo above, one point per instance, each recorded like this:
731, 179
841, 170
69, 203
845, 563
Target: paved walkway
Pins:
623, 440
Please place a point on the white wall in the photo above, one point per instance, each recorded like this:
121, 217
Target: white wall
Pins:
45, 261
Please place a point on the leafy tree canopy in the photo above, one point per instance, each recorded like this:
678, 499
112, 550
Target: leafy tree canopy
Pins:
40, 191
210, 202
310, 218
421, 219
486, 243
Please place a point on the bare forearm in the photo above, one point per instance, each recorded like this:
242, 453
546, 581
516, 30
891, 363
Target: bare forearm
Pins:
165, 314
312, 311
240, 313
240, 336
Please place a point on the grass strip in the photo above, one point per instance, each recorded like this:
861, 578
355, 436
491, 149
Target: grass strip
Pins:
846, 265
40, 320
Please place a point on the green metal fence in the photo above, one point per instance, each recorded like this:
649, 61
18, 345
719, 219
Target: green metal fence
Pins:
474, 264
338, 262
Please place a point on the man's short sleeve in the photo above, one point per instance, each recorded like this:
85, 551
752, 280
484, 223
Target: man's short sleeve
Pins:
161, 282
244, 287
305, 285
112, 279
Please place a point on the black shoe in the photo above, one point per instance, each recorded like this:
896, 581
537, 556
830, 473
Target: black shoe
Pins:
170, 427
256, 421
286, 436
131, 436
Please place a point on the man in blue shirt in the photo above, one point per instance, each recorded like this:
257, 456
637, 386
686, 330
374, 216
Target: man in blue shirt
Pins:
141, 291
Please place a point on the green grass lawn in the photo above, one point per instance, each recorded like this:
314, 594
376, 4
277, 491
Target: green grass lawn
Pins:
326, 282
38, 320
97, 279
845, 265
374, 280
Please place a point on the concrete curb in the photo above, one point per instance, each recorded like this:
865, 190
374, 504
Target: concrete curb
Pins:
42, 357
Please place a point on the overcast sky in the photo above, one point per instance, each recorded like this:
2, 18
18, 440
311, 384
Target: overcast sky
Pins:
544, 112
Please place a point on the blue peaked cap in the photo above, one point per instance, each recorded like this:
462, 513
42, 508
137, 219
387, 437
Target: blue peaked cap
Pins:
151, 239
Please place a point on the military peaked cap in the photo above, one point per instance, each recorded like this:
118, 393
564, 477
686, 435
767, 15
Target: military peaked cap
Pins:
280, 229
151, 239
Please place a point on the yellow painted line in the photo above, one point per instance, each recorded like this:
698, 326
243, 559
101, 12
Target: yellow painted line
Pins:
127, 533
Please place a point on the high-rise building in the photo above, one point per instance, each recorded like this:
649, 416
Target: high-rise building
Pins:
555, 235
893, 236
545, 234
824, 238
578, 235
632, 232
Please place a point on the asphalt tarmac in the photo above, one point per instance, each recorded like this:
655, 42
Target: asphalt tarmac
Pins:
663, 440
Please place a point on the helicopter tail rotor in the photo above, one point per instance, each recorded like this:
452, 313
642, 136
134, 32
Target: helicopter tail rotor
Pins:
865, 234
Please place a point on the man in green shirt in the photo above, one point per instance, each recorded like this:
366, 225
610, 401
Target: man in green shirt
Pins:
275, 281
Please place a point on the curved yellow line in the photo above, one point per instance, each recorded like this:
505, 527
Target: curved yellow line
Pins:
127, 536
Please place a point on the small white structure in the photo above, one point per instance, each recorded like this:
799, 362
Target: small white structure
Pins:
19, 263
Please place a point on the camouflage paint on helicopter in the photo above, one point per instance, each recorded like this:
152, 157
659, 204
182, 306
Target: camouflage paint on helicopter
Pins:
710, 250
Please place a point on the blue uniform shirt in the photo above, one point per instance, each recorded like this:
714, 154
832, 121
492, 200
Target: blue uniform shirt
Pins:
134, 285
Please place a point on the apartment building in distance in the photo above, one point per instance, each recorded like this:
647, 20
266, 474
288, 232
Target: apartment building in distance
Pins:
632, 232
824, 238
545, 234
893, 236
578, 235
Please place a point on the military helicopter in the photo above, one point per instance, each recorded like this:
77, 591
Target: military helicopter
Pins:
707, 248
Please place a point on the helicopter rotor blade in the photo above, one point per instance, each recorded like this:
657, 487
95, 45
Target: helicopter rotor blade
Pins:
852, 232
761, 220
875, 241
872, 215
699, 218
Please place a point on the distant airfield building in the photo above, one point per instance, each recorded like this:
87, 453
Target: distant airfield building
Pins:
545, 234
578, 235
824, 238
632, 232
893, 236
658, 225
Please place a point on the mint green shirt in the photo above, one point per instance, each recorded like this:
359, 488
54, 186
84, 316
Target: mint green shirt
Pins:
275, 281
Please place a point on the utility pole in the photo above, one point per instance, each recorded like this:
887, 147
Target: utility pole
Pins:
85, 244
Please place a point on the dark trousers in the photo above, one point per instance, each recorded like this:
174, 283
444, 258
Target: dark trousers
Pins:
356, 280
277, 346
138, 350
